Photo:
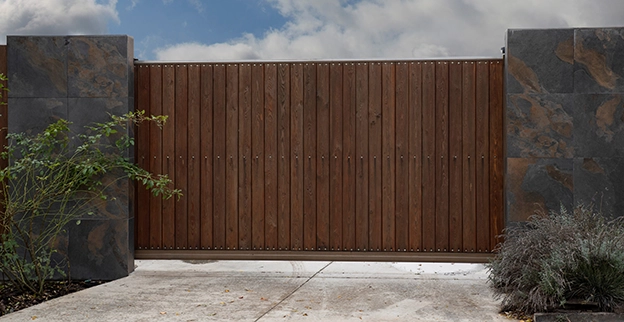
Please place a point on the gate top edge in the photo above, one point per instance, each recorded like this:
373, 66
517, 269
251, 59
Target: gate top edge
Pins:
286, 61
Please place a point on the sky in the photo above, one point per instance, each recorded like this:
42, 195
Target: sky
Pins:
216, 30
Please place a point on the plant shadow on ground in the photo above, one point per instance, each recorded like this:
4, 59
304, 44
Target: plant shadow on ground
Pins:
13, 300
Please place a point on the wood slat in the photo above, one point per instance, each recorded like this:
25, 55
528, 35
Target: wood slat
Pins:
442, 160
415, 156
270, 156
388, 156
296, 150
220, 156
245, 158
309, 156
323, 159
455, 157
206, 157
155, 153
497, 120
483, 156
469, 201
231, 156
258, 155
181, 154
168, 154
143, 216
375, 156
336, 192
402, 157
428, 157
361, 163
349, 103
284, 159
194, 156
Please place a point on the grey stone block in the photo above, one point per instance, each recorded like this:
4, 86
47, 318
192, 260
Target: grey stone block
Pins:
598, 63
599, 125
33, 115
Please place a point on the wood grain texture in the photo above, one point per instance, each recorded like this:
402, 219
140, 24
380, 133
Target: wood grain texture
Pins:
415, 148
309, 156
349, 103
335, 157
388, 160
296, 165
469, 158
194, 156
482, 110
270, 156
375, 156
257, 157
284, 157
231, 156
155, 153
206, 156
497, 119
245, 158
428, 157
361, 163
220, 156
455, 157
181, 151
402, 157
323, 158
168, 154
143, 208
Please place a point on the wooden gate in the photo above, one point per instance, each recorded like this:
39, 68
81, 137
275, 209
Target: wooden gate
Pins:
366, 160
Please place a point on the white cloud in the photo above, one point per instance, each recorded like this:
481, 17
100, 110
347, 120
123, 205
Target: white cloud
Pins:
399, 28
55, 17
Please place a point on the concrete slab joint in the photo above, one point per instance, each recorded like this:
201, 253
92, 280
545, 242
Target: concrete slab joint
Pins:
565, 120
82, 79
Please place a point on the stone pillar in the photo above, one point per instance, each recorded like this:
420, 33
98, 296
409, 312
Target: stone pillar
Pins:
565, 120
81, 79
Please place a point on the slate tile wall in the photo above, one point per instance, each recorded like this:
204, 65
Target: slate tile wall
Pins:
565, 120
82, 79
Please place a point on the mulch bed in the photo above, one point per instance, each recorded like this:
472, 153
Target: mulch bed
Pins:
11, 299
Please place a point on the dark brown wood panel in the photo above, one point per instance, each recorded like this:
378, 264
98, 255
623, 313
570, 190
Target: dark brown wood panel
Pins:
469, 197
245, 157
375, 157
335, 158
181, 151
323, 201
257, 157
402, 157
455, 157
206, 157
193, 156
270, 156
143, 208
284, 157
378, 156
361, 162
482, 110
428, 157
220, 120
155, 155
497, 120
168, 153
388, 169
349, 103
296, 165
415, 156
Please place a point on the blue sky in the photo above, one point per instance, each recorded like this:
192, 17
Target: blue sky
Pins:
213, 30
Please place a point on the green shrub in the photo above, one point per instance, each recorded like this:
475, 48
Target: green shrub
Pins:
557, 258
54, 177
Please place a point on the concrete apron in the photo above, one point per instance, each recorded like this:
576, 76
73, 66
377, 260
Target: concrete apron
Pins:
275, 291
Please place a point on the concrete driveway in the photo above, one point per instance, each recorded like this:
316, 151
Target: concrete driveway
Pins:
278, 291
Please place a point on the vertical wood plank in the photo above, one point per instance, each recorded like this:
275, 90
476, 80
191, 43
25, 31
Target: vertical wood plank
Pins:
270, 155
181, 150
496, 153
206, 157
221, 158
193, 157
322, 157
375, 156
258, 155
415, 156
143, 216
483, 157
155, 153
296, 146
284, 160
336, 193
442, 172
168, 153
244, 157
232, 154
401, 158
428, 156
388, 156
455, 157
469, 201
349, 101
361, 163
309, 154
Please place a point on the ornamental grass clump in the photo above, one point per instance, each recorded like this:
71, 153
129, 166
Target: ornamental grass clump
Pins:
561, 258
